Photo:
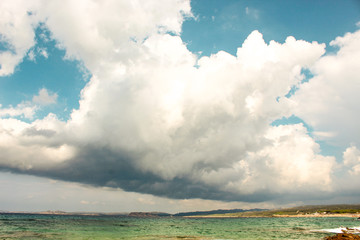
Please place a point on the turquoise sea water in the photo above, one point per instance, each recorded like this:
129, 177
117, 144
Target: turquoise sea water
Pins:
85, 227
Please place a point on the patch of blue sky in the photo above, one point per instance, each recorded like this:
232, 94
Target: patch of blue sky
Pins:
224, 25
217, 26
45, 67
307, 76
327, 149
292, 120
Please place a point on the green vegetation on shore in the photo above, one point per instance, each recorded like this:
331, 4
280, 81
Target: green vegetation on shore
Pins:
326, 210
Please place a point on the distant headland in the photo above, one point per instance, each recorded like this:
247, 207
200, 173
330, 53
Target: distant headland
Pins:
338, 210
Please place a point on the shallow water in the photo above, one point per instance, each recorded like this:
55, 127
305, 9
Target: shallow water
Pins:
25, 226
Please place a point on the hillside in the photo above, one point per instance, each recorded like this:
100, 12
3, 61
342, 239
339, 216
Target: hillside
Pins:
300, 211
219, 211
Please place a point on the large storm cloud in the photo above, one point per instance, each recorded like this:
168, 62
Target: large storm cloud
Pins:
154, 118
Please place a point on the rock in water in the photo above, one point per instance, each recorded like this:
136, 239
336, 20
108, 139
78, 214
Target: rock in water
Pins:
343, 236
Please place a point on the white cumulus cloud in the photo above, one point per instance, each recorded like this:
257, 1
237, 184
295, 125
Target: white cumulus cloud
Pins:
44, 98
23, 109
329, 102
155, 118
352, 159
17, 23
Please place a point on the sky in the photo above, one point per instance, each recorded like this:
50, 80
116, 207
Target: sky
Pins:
178, 105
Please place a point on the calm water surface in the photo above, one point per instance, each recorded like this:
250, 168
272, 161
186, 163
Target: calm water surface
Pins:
84, 227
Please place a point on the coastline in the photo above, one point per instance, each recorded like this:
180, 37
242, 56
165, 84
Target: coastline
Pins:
349, 215
310, 211
318, 215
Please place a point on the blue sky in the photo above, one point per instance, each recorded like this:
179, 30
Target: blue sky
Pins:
66, 78
224, 26
178, 105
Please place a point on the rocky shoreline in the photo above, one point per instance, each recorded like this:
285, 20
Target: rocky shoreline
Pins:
343, 236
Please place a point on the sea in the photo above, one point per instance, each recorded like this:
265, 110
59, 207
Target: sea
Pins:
30, 226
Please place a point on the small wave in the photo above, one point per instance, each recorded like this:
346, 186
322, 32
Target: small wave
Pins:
340, 230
